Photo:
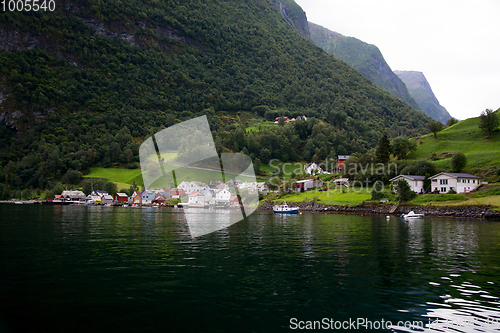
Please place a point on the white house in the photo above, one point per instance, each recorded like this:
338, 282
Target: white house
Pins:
196, 200
222, 196
416, 183
460, 182
201, 198
313, 168
106, 199
260, 187
190, 187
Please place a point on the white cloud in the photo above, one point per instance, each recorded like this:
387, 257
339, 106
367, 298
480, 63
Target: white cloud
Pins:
454, 43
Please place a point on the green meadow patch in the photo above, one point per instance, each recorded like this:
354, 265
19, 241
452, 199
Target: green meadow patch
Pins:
127, 176
335, 197
465, 136
426, 198
490, 192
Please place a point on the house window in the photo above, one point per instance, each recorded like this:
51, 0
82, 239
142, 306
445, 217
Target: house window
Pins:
474, 181
443, 189
443, 182
468, 180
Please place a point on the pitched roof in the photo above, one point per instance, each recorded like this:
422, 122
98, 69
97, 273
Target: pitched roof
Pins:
122, 195
456, 175
193, 194
412, 177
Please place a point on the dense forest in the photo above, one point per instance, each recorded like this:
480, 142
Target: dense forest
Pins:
86, 84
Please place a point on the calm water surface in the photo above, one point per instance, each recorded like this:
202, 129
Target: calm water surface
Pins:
105, 269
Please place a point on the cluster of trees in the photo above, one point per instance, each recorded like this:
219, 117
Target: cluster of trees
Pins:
488, 121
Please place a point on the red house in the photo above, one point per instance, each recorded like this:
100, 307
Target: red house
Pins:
120, 197
341, 159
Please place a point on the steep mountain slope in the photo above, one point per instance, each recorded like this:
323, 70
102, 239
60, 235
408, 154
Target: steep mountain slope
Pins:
87, 83
421, 91
365, 58
294, 15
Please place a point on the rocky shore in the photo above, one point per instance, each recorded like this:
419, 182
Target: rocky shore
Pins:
478, 212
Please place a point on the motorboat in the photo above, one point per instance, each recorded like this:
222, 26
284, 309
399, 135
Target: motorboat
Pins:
412, 215
283, 208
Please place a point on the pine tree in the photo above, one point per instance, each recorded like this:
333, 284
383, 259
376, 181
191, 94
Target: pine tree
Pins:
383, 151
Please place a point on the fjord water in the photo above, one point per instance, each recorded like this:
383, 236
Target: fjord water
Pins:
113, 269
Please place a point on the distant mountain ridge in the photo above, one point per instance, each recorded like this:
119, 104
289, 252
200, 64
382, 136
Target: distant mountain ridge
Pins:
365, 58
421, 91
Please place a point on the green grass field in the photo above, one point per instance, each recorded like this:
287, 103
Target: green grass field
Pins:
260, 126
465, 136
351, 196
125, 176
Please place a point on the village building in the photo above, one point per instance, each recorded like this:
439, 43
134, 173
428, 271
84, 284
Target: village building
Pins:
260, 187
234, 201
98, 193
147, 197
341, 181
313, 168
73, 196
136, 198
308, 183
443, 182
222, 196
190, 187
201, 198
160, 198
106, 199
177, 193
340, 161
120, 198
416, 183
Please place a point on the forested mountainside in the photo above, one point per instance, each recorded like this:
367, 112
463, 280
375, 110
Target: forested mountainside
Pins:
365, 58
87, 83
421, 91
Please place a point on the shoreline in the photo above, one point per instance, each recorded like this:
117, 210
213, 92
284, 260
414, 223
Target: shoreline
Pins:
476, 212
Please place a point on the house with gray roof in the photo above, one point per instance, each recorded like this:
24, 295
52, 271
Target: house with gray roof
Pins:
443, 182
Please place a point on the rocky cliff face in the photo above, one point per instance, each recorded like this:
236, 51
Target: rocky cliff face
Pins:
294, 15
365, 58
421, 91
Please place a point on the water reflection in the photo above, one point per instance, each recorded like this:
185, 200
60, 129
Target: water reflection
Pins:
140, 268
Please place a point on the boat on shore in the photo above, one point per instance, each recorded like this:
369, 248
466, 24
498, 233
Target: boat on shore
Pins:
283, 208
411, 215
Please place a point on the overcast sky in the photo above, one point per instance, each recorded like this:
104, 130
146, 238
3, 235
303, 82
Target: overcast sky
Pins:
456, 44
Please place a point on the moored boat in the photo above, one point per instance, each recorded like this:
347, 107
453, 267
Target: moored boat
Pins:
412, 215
283, 208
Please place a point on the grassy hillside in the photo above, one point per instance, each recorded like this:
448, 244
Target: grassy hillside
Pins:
465, 136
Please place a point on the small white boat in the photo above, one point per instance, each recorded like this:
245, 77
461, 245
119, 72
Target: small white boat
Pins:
285, 209
412, 215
